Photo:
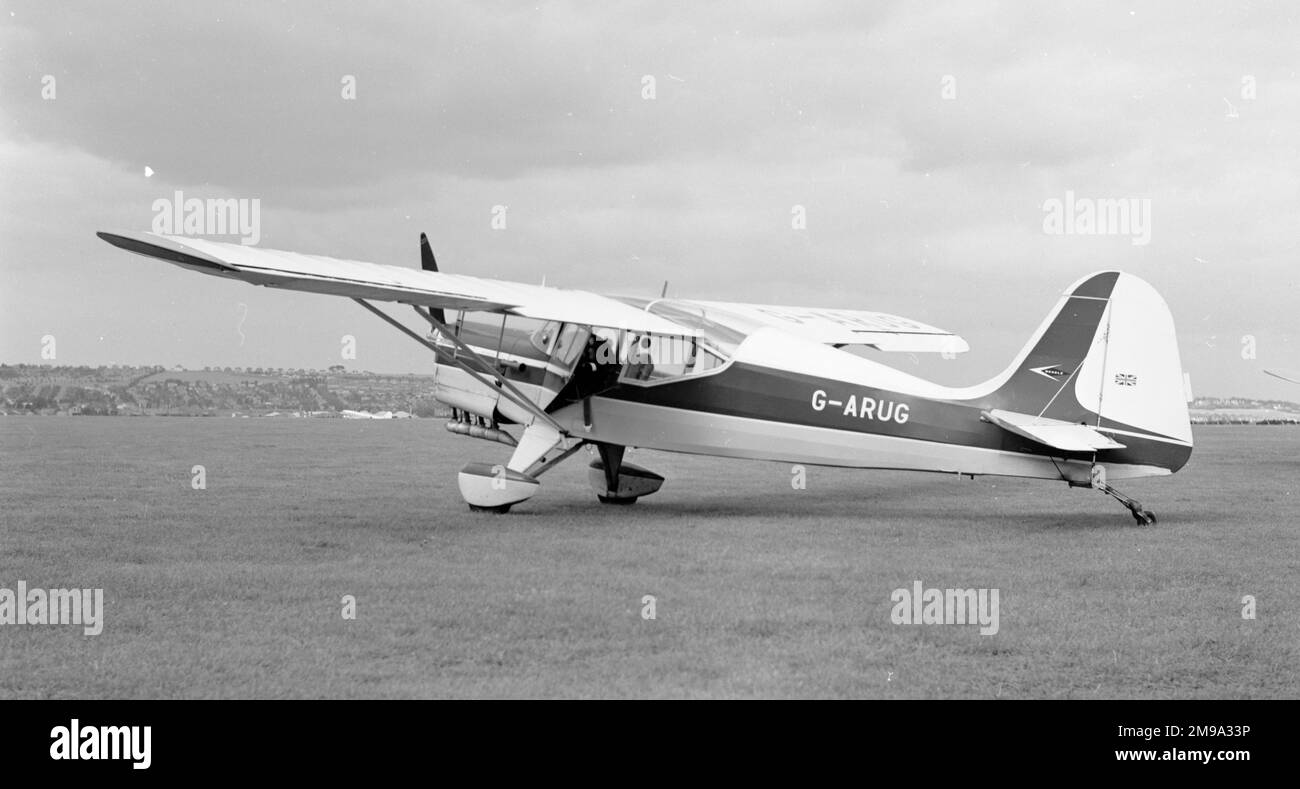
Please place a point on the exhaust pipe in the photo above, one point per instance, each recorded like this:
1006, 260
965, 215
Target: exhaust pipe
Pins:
479, 431
500, 436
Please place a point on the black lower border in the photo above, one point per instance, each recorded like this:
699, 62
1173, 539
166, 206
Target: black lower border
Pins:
336, 739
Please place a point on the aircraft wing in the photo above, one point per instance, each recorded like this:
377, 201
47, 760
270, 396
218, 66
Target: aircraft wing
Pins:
1066, 436
838, 327
1286, 375
357, 279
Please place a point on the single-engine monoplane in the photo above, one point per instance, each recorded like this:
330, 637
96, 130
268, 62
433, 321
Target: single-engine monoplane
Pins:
1096, 395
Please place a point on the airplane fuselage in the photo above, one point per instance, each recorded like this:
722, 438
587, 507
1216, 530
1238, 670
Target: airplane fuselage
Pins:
783, 399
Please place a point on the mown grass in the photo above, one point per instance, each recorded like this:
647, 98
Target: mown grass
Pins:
761, 590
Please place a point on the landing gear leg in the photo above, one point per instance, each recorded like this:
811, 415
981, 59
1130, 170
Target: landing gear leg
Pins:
1143, 517
611, 458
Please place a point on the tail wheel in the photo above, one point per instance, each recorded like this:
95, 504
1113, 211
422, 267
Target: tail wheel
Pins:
1144, 517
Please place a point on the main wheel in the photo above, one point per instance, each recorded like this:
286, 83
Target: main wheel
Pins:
500, 509
615, 500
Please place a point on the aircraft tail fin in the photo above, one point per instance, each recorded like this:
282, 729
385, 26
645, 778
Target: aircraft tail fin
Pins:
1106, 357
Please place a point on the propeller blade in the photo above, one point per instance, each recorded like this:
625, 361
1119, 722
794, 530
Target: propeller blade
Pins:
428, 263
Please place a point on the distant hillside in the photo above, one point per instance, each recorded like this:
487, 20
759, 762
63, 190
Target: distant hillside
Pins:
1243, 411
129, 391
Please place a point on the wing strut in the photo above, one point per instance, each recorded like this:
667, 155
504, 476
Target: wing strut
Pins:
509, 389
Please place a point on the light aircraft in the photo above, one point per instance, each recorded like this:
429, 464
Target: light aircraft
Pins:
1096, 394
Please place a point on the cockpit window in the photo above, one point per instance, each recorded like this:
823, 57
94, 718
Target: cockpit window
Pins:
653, 358
570, 343
544, 338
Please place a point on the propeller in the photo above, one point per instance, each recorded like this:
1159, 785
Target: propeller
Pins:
428, 263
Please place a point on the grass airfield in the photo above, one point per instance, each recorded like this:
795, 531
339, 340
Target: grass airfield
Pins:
761, 590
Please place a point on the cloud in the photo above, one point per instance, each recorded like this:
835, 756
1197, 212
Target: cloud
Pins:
916, 204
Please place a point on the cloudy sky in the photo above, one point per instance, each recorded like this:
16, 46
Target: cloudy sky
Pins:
633, 143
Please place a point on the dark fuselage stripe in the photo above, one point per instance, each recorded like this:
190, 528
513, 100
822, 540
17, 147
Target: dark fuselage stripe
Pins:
775, 395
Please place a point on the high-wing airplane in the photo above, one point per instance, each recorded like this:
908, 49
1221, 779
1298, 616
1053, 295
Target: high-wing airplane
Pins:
1096, 395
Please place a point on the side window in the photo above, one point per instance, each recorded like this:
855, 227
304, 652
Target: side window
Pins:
653, 358
706, 360
640, 364
672, 356
571, 342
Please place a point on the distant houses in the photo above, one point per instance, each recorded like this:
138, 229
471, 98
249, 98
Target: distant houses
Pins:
123, 390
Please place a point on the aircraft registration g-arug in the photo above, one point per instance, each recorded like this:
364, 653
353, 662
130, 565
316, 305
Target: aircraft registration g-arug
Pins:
1095, 396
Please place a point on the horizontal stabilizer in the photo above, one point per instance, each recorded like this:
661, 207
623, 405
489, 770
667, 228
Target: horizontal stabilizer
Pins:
1065, 436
